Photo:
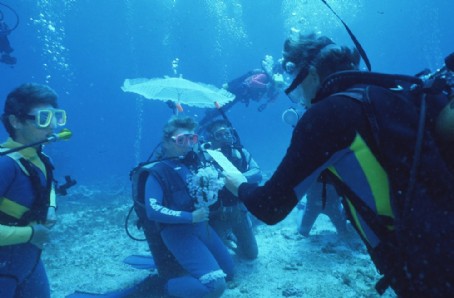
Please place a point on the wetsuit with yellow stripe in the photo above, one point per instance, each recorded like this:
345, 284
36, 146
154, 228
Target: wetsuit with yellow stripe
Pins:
336, 134
22, 273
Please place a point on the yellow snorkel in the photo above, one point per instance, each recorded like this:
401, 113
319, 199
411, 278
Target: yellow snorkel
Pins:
65, 134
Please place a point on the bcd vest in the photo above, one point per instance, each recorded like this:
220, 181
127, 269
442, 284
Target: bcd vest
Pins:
172, 185
397, 116
12, 213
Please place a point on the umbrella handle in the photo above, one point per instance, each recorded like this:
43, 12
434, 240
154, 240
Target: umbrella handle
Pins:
175, 106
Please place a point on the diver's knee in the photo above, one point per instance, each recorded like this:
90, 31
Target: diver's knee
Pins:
216, 288
250, 253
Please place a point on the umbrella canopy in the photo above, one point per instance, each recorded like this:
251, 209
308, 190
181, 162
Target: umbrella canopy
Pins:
179, 90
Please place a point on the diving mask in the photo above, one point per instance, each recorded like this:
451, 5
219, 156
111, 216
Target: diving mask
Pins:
223, 134
185, 139
45, 117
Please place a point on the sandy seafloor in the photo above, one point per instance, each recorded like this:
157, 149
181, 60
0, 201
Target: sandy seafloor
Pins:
89, 245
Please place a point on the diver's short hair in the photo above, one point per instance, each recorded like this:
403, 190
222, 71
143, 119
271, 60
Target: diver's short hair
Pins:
306, 50
23, 99
176, 123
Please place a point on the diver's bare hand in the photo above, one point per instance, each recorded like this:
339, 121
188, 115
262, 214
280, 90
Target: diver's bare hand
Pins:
40, 235
200, 215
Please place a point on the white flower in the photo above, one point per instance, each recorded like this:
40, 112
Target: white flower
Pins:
205, 185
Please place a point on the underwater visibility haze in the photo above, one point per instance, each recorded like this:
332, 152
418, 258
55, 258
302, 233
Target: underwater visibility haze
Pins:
86, 49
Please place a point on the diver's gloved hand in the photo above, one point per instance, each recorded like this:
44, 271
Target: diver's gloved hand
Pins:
40, 235
200, 215
233, 180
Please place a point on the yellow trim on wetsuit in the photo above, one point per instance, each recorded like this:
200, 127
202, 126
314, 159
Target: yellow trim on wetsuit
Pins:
28, 153
377, 180
351, 208
12, 208
375, 174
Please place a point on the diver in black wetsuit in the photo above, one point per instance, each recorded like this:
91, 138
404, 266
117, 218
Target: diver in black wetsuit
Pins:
322, 197
366, 137
255, 85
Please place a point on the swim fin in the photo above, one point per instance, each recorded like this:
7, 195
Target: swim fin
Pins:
151, 286
114, 294
140, 262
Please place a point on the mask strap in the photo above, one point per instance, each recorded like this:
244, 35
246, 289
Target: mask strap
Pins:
302, 74
353, 38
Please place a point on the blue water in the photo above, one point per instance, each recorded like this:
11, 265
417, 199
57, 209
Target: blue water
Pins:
85, 49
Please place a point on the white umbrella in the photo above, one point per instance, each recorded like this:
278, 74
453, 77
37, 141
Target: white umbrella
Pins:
179, 91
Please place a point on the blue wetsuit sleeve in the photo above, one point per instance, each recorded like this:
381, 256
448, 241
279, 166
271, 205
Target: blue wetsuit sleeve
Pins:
156, 211
253, 173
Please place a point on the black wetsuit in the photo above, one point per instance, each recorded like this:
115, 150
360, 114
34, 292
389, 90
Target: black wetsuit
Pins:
5, 46
244, 93
336, 134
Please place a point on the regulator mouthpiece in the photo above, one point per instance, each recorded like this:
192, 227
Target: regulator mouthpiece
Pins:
65, 134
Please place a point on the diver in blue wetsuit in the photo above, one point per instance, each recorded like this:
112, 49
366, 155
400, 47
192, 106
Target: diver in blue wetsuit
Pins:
171, 199
368, 136
27, 198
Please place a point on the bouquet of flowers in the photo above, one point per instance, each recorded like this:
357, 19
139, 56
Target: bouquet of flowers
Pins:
204, 186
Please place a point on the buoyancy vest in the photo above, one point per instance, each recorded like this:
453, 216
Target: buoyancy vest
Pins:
172, 185
395, 129
12, 213
393, 118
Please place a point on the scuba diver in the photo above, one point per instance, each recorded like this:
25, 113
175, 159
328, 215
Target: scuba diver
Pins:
172, 191
171, 198
380, 145
252, 86
229, 217
381, 139
27, 195
5, 46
